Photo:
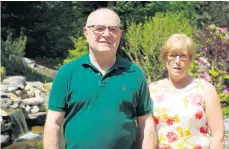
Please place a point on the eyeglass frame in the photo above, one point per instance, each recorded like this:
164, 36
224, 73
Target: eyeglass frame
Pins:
106, 27
174, 56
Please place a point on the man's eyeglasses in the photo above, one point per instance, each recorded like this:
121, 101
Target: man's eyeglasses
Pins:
101, 28
183, 57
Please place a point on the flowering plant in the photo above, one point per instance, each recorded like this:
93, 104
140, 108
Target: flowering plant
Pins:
212, 61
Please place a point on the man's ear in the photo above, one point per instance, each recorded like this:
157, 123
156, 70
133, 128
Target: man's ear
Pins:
85, 31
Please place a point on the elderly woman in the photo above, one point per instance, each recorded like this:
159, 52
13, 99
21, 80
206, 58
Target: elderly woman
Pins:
187, 110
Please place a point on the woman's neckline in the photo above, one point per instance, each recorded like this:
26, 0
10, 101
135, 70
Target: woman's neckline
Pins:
169, 88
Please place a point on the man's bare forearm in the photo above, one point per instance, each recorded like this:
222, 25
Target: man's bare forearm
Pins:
146, 135
139, 137
52, 136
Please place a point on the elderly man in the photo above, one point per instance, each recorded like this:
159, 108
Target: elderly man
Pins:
100, 95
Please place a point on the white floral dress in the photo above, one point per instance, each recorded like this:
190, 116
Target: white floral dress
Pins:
180, 116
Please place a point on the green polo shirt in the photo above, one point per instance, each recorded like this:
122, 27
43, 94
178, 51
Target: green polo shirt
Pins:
100, 111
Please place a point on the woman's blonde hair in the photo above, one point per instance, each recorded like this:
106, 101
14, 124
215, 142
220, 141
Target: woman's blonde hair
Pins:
177, 43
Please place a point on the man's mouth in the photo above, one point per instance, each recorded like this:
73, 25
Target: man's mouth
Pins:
105, 42
177, 68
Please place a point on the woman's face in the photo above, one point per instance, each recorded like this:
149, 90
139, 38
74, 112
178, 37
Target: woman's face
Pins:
178, 64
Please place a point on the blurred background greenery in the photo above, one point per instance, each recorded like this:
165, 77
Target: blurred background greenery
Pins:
51, 33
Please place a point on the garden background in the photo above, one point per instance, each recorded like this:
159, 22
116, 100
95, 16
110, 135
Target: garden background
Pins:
51, 34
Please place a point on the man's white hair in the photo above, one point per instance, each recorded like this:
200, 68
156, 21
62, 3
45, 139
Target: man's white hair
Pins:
99, 9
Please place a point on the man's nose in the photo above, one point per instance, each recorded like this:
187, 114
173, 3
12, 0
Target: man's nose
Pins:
106, 31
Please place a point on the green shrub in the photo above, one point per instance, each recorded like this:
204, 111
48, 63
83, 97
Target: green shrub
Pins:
12, 52
2, 73
144, 40
80, 48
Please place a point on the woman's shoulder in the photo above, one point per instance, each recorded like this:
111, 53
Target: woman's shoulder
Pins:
207, 88
157, 87
156, 84
205, 84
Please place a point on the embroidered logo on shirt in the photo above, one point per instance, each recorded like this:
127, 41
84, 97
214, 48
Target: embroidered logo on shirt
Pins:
123, 87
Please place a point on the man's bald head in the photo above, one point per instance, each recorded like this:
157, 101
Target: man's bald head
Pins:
99, 13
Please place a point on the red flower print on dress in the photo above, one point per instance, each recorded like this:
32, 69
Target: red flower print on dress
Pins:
198, 147
165, 146
203, 130
197, 100
171, 137
170, 121
159, 98
199, 115
156, 120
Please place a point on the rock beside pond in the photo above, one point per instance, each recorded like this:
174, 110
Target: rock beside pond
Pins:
14, 83
3, 113
5, 138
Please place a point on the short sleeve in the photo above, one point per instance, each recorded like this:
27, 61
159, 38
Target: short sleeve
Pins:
57, 98
144, 102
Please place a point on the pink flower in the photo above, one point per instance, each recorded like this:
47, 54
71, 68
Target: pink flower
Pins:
198, 147
225, 91
205, 49
223, 29
197, 100
171, 137
165, 146
170, 121
201, 74
159, 98
227, 36
198, 115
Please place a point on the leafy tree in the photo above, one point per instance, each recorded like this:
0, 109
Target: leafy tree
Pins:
213, 12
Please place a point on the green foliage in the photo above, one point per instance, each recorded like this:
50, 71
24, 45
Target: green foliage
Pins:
187, 8
2, 73
144, 40
80, 48
226, 111
12, 52
216, 12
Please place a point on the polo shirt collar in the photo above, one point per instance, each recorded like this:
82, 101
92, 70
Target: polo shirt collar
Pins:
120, 62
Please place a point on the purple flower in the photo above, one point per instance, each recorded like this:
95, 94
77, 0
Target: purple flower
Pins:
212, 25
225, 86
225, 91
227, 36
205, 49
201, 74
201, 60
